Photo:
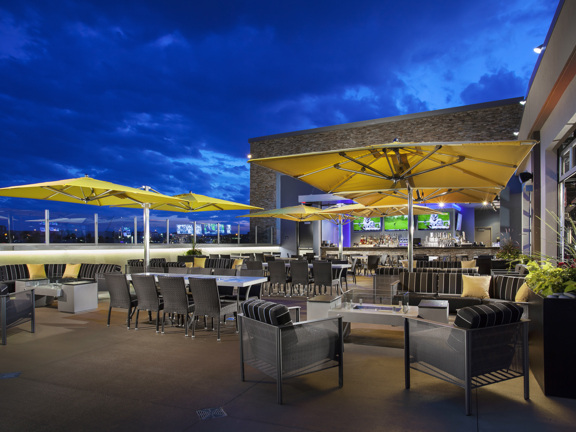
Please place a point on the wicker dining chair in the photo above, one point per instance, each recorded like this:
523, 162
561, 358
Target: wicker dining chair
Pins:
207, 302
148, 298
176, 300
323, 276
225, 290
254, 265
278, 276
301, 275
199, 270
120, 296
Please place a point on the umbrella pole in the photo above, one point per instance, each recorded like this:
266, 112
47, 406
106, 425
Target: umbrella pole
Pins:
297, 238
146, 233
410, 230
340, 239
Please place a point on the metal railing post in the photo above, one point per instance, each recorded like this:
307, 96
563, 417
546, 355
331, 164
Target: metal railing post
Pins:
238, 233
256, 234
218, 233
167, 231
135, 237
96, 228
47, 226
194, 232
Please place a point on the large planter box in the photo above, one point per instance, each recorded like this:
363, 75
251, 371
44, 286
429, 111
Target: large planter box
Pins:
553, 345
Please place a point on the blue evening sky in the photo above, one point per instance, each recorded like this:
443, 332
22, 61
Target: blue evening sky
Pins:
167, 93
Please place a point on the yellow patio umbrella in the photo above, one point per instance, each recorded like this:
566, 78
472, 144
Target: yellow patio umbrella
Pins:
360, 210
299, 213
191, 202
86, 190
422, 196
439, 165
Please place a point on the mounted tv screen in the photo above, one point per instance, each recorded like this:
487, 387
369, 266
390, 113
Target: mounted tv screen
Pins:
434, 222
367, 224
396, 223
185, 229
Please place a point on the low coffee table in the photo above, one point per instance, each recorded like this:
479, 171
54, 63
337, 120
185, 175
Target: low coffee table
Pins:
78, 296
366, 313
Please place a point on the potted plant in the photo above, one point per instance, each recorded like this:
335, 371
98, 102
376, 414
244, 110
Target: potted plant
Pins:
190, 254
552, 313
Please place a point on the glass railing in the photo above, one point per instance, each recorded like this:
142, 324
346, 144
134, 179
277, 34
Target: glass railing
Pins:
30, 226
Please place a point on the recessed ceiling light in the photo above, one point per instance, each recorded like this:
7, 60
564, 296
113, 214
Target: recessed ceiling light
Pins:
516, 133
539, 49
249, 156
485, 203
522, 102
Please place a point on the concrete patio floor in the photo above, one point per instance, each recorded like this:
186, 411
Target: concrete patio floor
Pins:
77, 374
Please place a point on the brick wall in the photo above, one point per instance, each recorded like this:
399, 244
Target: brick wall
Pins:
489, 124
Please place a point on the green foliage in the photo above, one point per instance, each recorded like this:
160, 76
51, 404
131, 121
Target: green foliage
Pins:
545, 278
193, 251
509, 250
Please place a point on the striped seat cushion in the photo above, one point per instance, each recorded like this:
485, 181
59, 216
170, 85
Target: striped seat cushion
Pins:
175, 264
136, 263
506, 287
87, 271
392, 271
11, 272
54, 270
449, 283
108, 268
419, 282
267, 312
488, 315
427, 270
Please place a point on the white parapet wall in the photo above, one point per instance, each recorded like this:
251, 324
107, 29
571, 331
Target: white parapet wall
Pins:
111, 253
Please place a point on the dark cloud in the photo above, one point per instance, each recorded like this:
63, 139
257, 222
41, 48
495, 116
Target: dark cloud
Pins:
499, 85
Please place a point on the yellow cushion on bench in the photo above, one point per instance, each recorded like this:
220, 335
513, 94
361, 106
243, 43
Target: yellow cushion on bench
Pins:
523, 294
199, 262
189, 264
237, 262
36, 271
476, 286
71, 271
468, 264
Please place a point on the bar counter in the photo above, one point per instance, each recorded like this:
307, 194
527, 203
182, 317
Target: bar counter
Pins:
403, 250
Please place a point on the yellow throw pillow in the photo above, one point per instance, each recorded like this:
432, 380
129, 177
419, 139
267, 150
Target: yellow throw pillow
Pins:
190, 264
469, 264
199, 262
405, 263
237, 262
36, 271
523, 294
71, 271
476, 286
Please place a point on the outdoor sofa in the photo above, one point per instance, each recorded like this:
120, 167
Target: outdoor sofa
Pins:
9, 273
417, 286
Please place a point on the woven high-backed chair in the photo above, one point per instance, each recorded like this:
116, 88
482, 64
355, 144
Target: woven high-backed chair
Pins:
372, 264
323, 276
278, 276
254, 265
120, 296
207, 302
176, 300
199, 270
301, 275
148, 298
225, 290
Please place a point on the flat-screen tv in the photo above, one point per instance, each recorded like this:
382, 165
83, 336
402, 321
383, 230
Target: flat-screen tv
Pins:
434, 222
396, 223
185, 229
459, 222
367, 224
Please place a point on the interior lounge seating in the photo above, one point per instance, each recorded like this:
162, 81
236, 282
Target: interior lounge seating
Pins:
273, 344
487, 344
